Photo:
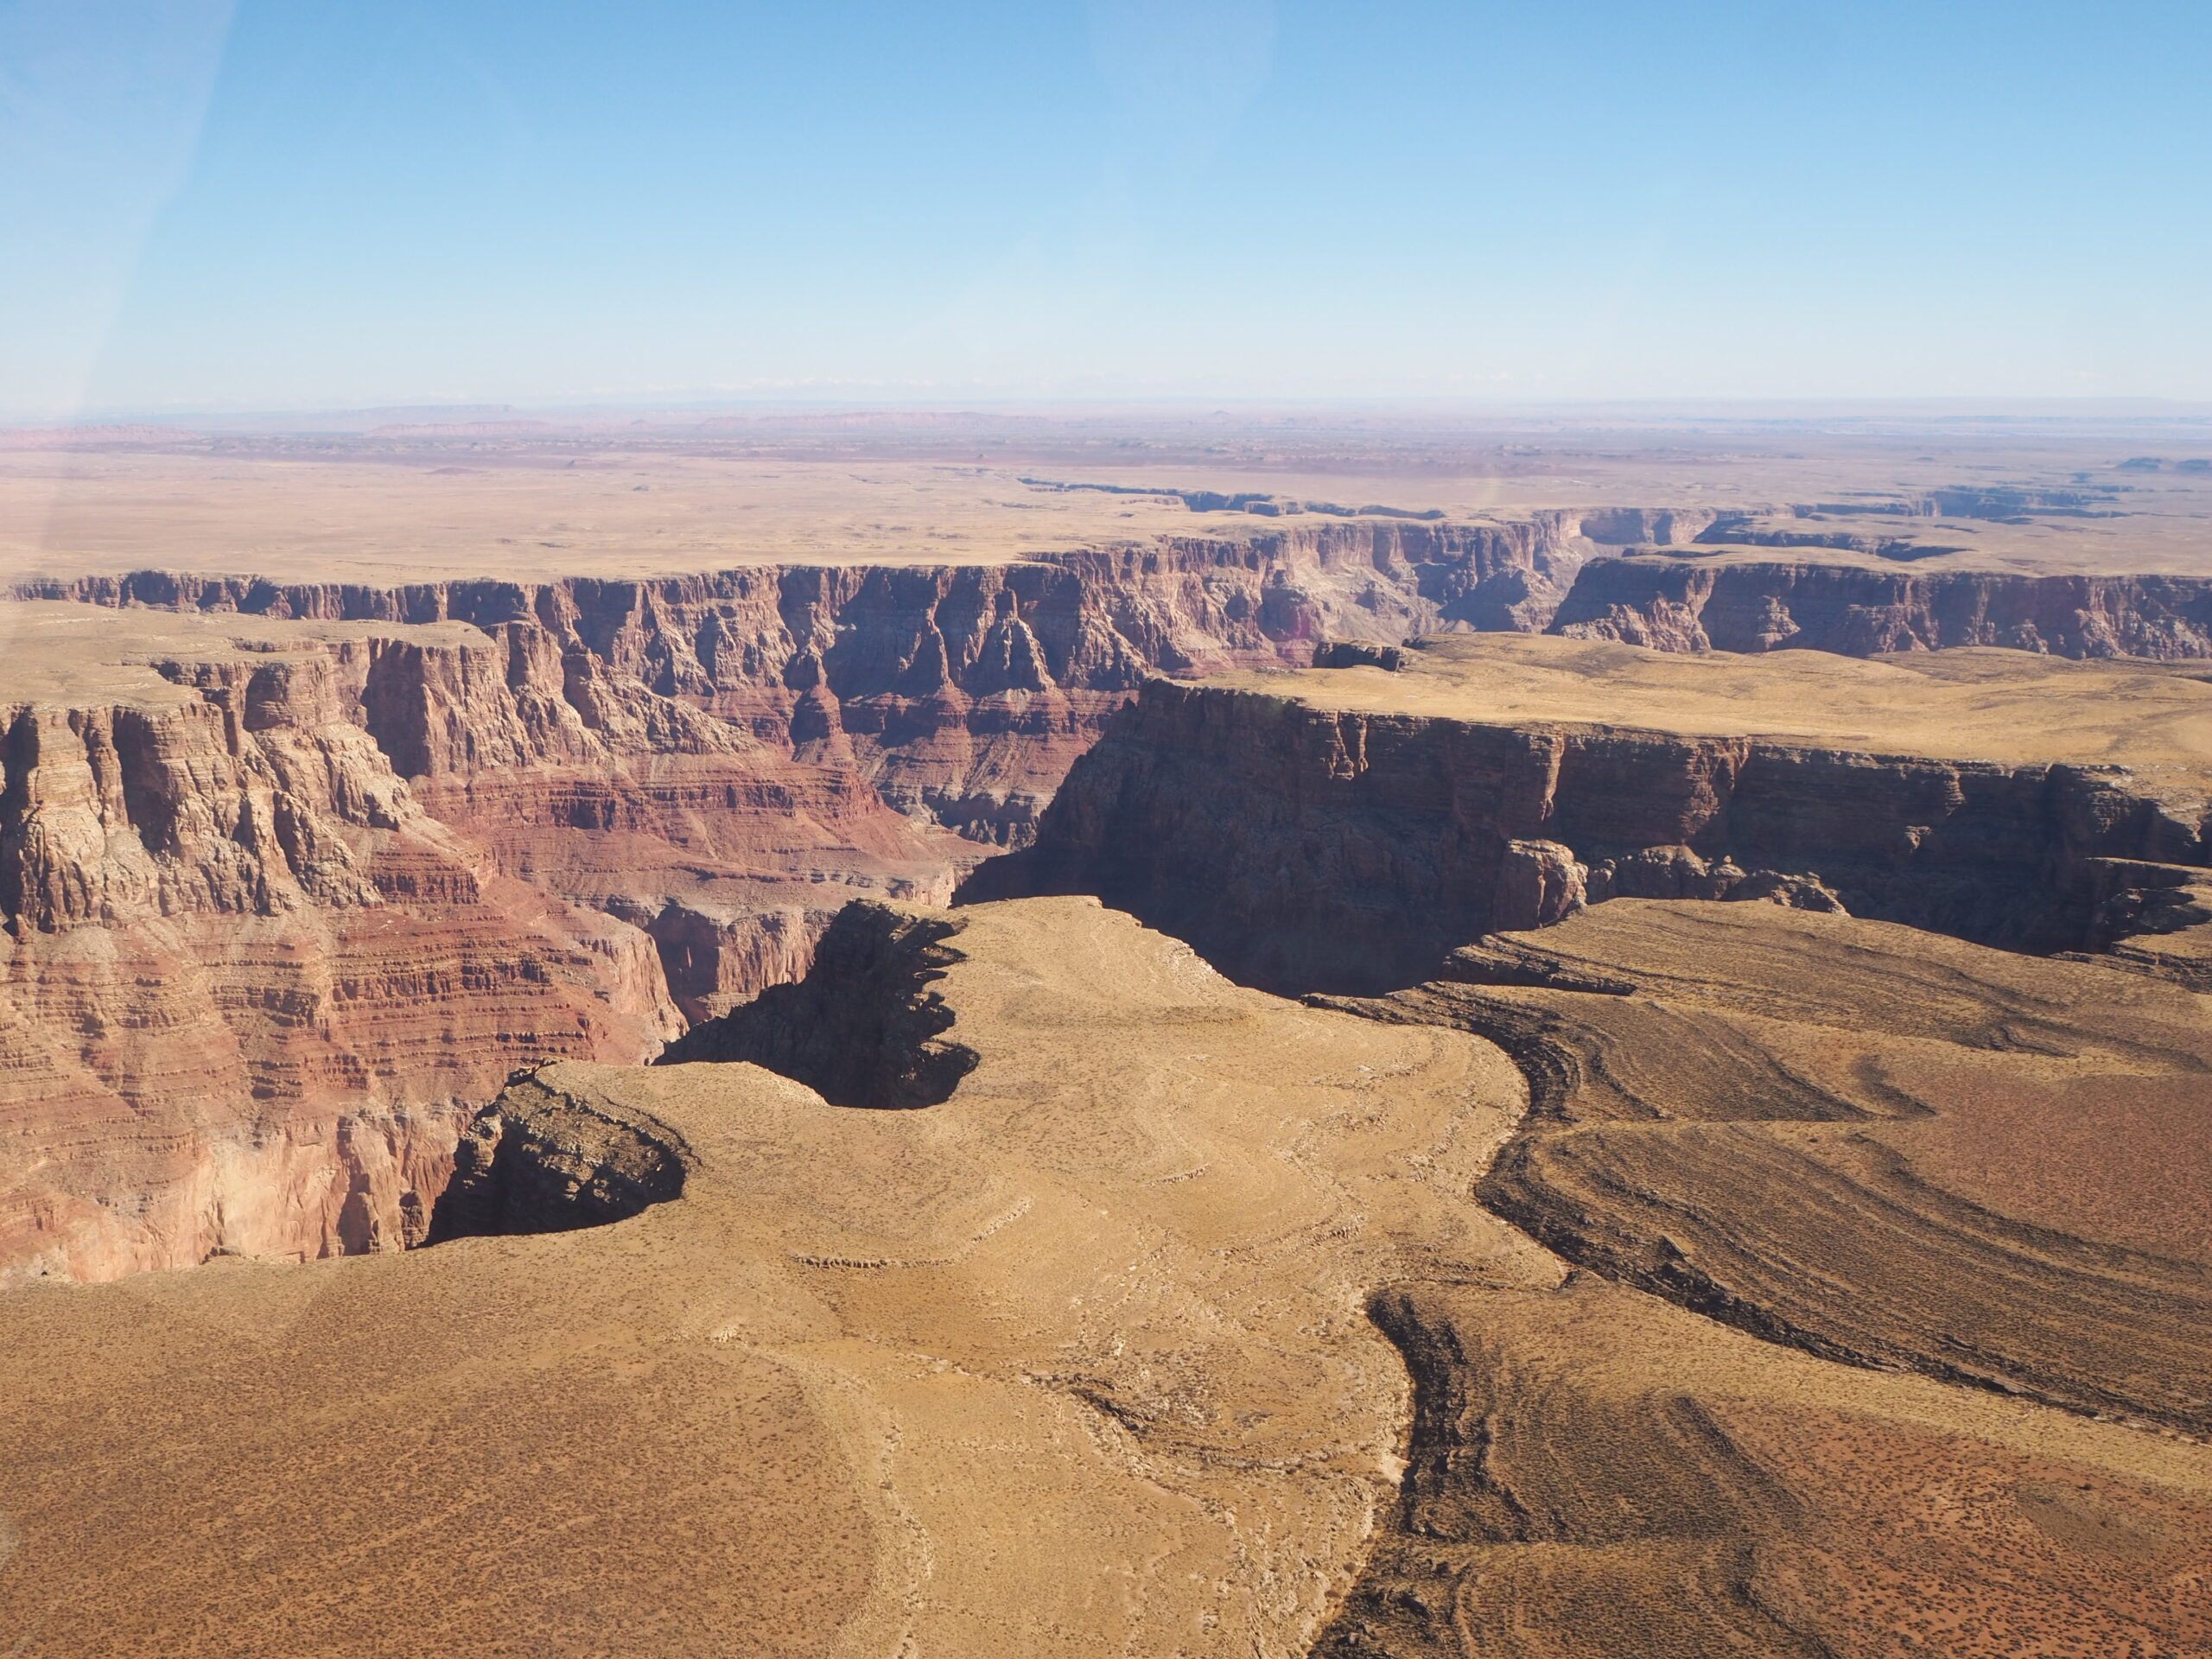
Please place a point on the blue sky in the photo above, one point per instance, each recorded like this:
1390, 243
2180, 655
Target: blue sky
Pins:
333, 203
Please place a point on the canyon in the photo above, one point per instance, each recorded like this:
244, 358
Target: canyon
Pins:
1344, 828
666, 786
564, 818
923, 1042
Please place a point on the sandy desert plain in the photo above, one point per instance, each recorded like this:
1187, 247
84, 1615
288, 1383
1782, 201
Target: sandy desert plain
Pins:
911, 1034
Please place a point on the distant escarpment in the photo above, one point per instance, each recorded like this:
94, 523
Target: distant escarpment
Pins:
961, 692
1674, 604
955, 696
1344, 831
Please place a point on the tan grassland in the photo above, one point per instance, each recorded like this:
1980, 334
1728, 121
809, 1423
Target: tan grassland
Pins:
1963, 704
1076, 1363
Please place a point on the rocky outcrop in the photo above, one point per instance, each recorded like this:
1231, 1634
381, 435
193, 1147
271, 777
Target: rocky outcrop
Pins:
1754, 606
1538, 883
544, 1159
863, 1028
1303, 847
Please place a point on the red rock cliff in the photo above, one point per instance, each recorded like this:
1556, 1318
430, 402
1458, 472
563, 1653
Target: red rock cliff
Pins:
253, 988
279, 929
1753, 606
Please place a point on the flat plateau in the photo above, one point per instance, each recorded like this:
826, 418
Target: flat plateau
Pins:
1108, 1350
57, 652
1970, 703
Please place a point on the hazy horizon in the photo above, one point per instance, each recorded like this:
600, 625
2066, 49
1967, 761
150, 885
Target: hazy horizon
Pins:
248, 209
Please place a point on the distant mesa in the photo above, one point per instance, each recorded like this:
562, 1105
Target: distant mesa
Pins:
507, 428
1259, 503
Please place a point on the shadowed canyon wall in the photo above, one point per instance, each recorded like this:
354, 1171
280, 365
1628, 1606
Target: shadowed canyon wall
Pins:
1310, 849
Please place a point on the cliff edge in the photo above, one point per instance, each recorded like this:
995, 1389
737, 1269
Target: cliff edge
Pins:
1344, 829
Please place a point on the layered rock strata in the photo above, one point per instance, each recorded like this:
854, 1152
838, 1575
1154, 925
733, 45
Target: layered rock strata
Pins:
1742, 604
707, 761
689, 776
277, 925
1845, 1140
1344, 828
1597, 1474
961, 692
2000, 1165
